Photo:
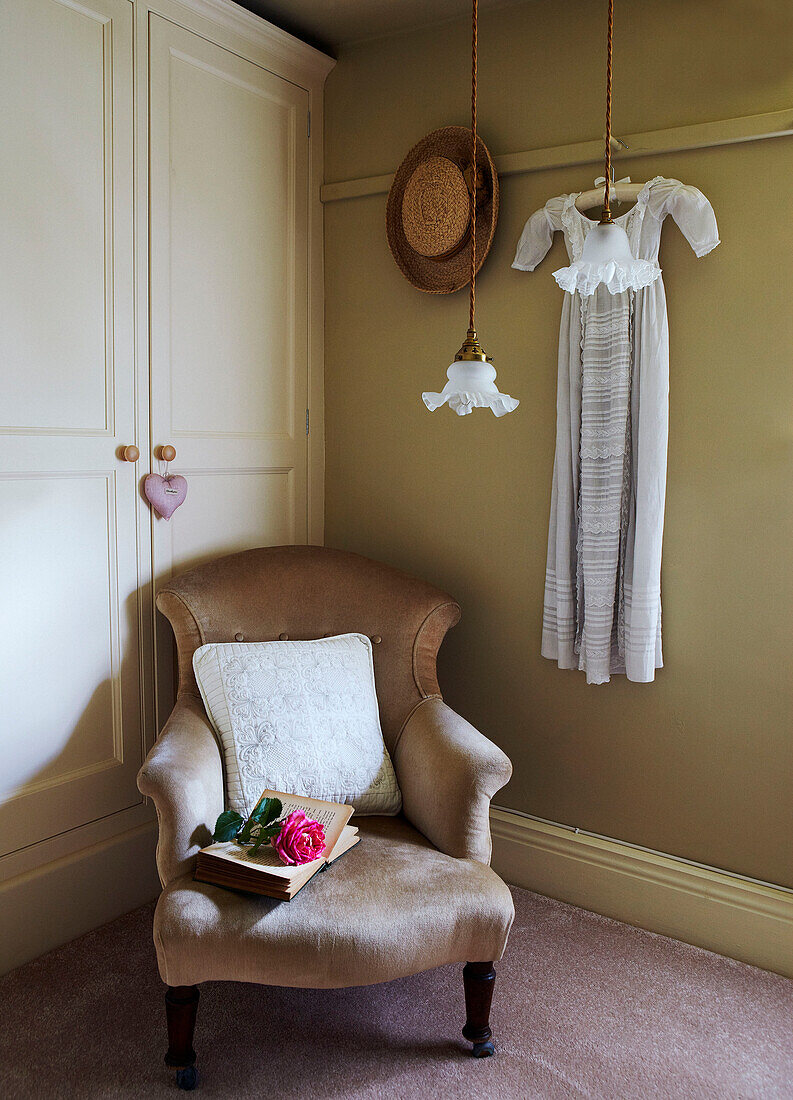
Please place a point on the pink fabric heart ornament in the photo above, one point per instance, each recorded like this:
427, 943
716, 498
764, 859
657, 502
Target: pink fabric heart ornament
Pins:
165, 494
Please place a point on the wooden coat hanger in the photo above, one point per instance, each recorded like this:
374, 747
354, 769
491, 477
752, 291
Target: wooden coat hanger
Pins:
619, 191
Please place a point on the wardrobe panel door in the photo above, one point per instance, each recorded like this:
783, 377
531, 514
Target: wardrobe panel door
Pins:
70, 722
229, 205
248, 508
232, 244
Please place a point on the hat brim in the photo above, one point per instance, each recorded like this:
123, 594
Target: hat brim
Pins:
443, 274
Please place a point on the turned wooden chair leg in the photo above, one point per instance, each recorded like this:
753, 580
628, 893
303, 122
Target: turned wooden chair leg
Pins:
181, 1006
479, 979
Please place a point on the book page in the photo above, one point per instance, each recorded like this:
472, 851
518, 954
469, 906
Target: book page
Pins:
348, 839
266, 859
333, 816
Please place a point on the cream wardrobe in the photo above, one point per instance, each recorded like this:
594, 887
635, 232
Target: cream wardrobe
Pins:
160, 283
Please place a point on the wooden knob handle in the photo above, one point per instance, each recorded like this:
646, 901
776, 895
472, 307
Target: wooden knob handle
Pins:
167, 453
131, 453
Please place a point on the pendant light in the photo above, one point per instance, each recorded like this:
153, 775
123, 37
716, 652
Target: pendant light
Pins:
471, 377
606, 257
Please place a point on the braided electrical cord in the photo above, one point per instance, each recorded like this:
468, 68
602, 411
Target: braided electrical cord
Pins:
606, 216
474, 43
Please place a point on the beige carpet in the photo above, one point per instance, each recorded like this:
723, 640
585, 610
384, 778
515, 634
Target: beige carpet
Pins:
584, 1007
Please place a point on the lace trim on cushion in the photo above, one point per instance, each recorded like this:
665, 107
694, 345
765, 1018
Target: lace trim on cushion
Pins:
301, 715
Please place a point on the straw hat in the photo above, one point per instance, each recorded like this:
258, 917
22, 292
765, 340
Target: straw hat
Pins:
429, 210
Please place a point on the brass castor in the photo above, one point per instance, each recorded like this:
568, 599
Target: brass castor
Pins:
483, 1050
187, 1078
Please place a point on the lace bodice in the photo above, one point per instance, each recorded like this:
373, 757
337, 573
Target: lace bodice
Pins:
643, 222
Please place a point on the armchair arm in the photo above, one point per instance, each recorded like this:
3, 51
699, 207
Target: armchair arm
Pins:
448, 773
183, 775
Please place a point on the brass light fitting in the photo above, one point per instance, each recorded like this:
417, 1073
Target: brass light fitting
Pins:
472, 351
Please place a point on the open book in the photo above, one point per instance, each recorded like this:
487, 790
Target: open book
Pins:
229, 864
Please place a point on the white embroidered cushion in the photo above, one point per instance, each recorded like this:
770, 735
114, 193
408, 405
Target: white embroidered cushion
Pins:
301, 717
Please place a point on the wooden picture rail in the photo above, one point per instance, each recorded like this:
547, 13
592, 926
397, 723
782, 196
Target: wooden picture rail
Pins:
701, 135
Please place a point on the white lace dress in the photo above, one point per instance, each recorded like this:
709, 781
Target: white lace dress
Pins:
602, 609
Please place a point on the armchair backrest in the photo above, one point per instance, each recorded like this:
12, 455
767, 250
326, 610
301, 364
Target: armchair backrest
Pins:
310, 592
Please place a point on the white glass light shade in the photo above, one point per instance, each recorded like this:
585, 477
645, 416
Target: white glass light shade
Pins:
471, 385
606, 259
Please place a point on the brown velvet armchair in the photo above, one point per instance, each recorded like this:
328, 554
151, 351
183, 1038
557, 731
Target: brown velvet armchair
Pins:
418, 892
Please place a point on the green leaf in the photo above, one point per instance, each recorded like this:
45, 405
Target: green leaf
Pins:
269, 810
267, 833
266, 811
227, 825
245, 835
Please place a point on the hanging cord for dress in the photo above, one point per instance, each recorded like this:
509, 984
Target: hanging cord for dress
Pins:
606, 215
474, 30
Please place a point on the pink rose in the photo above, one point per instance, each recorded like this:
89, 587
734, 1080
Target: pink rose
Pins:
300, 839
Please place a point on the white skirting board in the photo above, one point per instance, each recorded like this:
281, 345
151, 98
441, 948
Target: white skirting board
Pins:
714, 909
59, 901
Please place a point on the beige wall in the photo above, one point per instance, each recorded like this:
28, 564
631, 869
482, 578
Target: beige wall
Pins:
700, 763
